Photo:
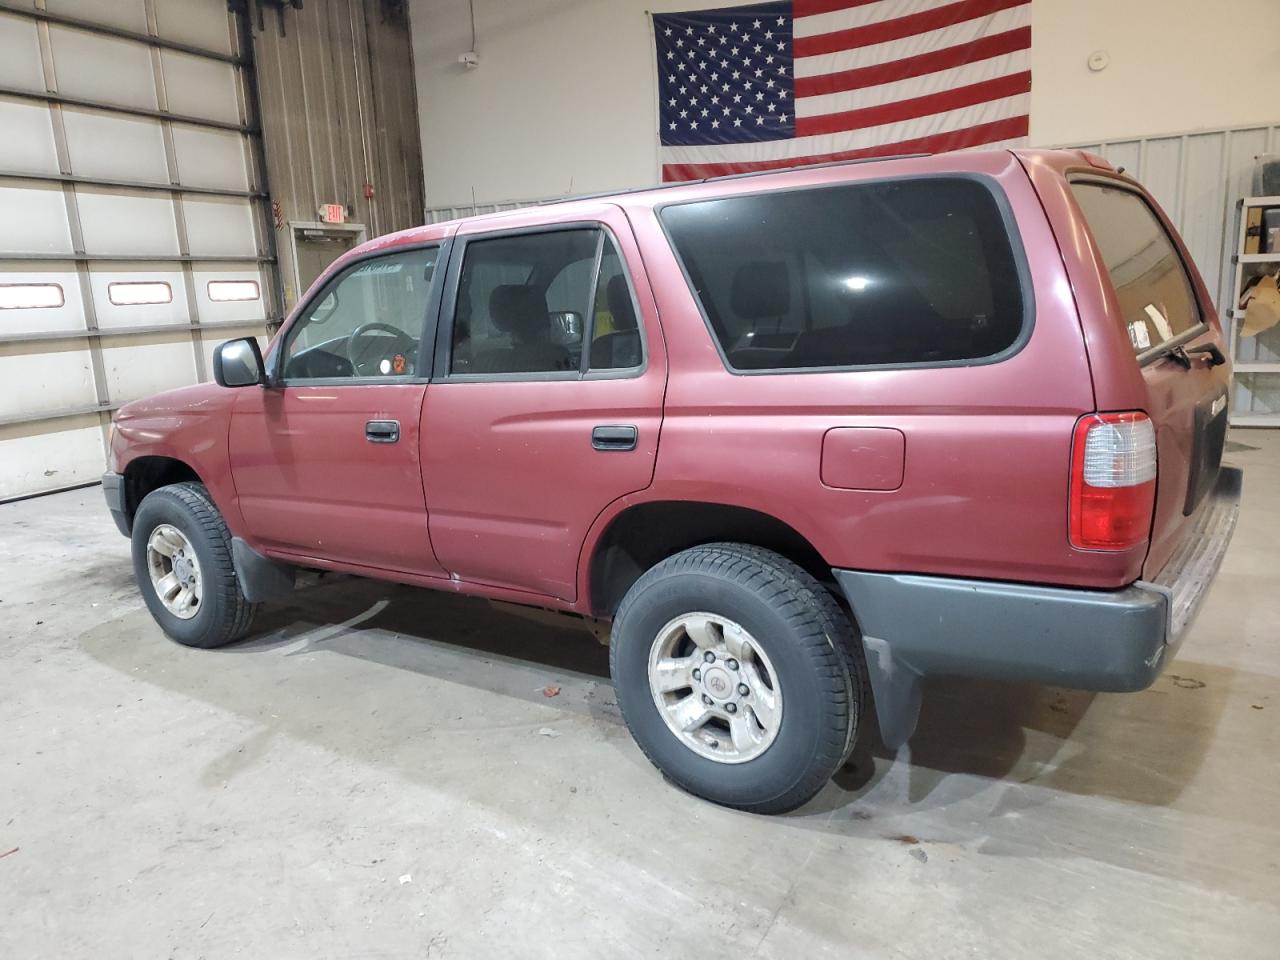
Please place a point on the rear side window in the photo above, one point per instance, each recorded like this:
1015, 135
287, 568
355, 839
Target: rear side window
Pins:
1157, 301
914, 271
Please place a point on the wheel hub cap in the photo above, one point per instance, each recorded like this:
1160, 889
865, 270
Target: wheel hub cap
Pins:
174, 571
715, 688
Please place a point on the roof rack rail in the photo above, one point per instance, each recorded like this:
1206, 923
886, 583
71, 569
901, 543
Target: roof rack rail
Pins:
728, 176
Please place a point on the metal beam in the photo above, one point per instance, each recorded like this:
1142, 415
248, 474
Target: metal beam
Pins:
45, 97
136, 258
80, 23
56, 336
130, 184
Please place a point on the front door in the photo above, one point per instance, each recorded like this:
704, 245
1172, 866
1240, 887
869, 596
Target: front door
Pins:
547, 399
326, 464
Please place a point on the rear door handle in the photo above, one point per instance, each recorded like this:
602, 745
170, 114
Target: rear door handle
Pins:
382, 431
615, 437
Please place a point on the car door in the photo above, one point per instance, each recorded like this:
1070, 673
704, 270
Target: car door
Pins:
326, 459
547, 398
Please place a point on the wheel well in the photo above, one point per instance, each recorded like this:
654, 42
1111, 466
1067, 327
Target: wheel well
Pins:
145, 474
648, 533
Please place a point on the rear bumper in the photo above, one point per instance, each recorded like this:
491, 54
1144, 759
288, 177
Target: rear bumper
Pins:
1118, 640
113, 490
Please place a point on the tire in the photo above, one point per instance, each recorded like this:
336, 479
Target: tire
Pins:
799, 632
222, 614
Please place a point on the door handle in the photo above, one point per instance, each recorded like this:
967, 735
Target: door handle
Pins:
382, 431
615, 437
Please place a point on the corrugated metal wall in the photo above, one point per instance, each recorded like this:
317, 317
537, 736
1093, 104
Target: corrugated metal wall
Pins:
339, 111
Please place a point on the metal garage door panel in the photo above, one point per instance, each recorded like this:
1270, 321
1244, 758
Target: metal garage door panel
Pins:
46, 456
211, 158
200, 87
115, 147
1160, 174
140, 366
28, 137
69, 316
102, 68
126, 14
35, 218
115, 285
38, 377
219, 226
198, 22
20, 66
223, 310
127, 222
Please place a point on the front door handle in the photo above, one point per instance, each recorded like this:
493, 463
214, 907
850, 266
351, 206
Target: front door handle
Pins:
382, 431
615, 437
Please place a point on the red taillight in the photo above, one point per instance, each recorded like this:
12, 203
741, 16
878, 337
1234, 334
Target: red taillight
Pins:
1113, 481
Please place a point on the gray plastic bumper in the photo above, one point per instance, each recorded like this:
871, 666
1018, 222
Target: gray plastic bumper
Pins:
1118, 640
113, 490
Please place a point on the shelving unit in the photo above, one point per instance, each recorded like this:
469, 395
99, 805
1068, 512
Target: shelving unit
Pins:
1255, 360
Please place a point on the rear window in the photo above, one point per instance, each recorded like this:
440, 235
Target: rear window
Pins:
1157, 301
893, 272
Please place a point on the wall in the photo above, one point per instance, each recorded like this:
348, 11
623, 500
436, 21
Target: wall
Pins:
563, 102
336, 85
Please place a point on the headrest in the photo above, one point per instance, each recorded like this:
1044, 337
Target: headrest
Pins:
519, 310
762, 290
620, 304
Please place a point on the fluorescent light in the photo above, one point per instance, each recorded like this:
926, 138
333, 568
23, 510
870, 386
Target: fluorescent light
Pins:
131, 293
857, 283
30, 296
224, 290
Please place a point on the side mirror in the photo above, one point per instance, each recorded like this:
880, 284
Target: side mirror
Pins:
238, 363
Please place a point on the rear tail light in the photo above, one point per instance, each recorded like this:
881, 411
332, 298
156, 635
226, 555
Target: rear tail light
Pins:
1113, 481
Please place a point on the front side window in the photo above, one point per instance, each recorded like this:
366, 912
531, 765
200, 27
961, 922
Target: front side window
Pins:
892, 272
1157, 301
367, 322
554, 302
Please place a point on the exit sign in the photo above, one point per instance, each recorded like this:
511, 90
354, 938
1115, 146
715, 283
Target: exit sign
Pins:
333, 213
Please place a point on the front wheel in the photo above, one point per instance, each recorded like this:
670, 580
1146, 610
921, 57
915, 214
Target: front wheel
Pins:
738, 675
182, 561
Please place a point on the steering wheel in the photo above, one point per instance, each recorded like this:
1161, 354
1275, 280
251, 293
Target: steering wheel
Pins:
361, 356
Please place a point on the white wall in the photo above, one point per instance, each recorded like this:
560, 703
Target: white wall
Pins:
563, 99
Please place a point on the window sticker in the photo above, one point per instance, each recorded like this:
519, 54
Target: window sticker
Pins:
1138, 335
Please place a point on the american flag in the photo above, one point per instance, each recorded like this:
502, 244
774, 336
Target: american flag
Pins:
810, 81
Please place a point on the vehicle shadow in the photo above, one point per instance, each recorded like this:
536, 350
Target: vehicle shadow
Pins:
971, 733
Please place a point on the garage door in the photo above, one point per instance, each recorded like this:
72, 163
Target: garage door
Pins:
134, 231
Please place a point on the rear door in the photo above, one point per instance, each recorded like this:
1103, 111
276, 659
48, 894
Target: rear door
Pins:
547, 398
1160, 304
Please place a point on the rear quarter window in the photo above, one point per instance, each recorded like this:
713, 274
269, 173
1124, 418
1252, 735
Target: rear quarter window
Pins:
915, 271
1157, 301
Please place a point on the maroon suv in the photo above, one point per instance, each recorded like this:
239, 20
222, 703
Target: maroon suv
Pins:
804, 438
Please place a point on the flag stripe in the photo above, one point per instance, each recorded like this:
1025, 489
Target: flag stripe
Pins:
969, 31
949, 57
811, 8
845, 17
939, 81
796, 149
886, 113
1010, 128
901, 27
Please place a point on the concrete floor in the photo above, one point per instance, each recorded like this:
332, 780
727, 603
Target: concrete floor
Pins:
378, 774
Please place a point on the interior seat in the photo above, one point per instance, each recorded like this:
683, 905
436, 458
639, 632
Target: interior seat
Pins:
621, 348
521, 313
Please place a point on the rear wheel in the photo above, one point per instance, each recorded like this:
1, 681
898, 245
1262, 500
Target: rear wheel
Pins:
182, 561
737, 675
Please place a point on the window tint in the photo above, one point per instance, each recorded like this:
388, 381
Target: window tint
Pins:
528, 304
1156, 298
913, 271
366, 322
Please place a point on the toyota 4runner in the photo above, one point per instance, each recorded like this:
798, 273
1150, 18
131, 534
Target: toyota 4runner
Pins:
803, 438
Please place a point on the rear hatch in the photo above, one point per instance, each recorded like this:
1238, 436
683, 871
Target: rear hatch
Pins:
1171, 335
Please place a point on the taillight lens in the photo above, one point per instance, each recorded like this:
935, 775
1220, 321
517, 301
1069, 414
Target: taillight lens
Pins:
1113, 481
